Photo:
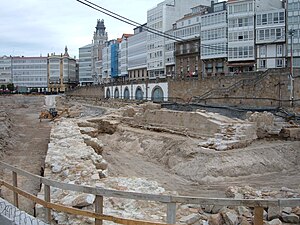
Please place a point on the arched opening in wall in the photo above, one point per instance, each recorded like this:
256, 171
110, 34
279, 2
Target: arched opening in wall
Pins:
107, 93
126, 93
117, 95
157, 94
139, 94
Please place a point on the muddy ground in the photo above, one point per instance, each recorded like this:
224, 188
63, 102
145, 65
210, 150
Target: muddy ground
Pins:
175, 162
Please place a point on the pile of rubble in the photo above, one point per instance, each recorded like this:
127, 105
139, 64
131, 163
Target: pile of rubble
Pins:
219, 215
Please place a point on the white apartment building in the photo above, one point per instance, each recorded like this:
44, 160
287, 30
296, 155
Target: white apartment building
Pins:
293, 30
271, 37
30, 72
123, 55
85, 65
241, 45
161, 18
137, 54
5, 70
214, 39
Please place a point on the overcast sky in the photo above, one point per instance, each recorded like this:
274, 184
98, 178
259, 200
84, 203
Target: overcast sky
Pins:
34, 27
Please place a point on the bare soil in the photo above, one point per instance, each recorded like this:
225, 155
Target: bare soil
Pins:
29, 142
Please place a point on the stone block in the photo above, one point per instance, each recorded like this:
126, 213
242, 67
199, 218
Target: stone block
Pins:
290, 218
274, 213
190, 219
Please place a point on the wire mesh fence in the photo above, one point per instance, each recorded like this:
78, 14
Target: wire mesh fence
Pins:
13, 215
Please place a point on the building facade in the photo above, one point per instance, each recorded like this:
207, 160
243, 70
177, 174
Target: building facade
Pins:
5, 70
30, 73
271, 38
161, 18
90, 57
61, 72
99, 39
137, 54
123, 55
293, 32
85, 65
214, 39
241, 44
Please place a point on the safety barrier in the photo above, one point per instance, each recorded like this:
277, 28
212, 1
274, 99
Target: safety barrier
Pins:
100, 193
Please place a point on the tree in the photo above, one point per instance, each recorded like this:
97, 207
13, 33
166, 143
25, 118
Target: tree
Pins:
11, 87
3, 87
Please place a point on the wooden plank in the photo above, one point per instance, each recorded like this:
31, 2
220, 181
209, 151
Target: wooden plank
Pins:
258, 216
21, 172
171, 213
74, 211
47, 199
99, 208
15, 184
292, 202
225, 201
107, 192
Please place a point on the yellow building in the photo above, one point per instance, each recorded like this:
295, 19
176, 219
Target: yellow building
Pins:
61, 72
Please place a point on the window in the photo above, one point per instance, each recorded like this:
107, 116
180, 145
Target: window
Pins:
279, 50
262, 51
262, 63
264, 19
279, 63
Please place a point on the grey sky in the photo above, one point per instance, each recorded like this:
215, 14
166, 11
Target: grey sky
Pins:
34, 27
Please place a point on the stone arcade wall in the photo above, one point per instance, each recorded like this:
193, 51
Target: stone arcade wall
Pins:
265, 92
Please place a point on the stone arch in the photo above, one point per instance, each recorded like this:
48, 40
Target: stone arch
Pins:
157, 94
139, 94
107, 93
116, 93
126, 93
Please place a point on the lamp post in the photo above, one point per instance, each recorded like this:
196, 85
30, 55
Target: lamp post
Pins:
291, 33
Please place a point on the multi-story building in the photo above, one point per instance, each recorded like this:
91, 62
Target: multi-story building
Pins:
85, 65
187, 48
30, 73
123, 55
161, 18
214, 29
5, 70
293, 32
110, 59
61, 72
137, 54
241, 44
271, 37
90, 57
100, 37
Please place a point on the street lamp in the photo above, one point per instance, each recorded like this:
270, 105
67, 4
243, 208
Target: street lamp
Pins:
291, 33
